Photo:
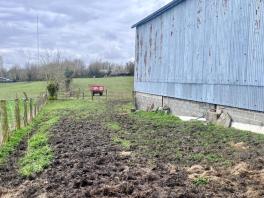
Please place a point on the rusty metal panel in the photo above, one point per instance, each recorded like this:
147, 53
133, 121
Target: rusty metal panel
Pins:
206, 51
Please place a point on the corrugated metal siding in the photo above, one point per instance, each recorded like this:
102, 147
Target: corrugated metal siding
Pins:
207, 51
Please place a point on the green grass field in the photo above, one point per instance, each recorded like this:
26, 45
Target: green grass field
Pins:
115, 86
10, 90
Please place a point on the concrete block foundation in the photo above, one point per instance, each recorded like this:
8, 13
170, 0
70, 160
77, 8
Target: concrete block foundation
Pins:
241, 118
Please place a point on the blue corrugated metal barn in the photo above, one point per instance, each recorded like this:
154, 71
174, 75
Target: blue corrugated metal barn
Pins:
206, 51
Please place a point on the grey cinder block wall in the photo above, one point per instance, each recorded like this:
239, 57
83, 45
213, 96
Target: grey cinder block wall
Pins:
181, 107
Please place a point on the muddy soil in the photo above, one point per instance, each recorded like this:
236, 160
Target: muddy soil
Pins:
88, 164
243, 176
8, 171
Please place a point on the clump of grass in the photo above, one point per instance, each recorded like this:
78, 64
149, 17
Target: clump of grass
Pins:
159, 118
213, 158
124, 143
13, 142
39, 154
36, 161
125, 108
201, 181
114, 126
198, 157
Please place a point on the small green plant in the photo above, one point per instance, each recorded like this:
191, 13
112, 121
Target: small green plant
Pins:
114, 126
124, 143
53, 88
213, 158
201, 181
197, 157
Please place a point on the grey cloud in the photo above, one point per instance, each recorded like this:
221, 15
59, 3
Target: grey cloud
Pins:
86, 29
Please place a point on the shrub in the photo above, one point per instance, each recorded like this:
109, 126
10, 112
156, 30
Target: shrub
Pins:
53, 88
68, 84
68, 74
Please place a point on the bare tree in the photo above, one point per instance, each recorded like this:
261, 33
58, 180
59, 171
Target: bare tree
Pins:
2, 69
15, 73
130, 67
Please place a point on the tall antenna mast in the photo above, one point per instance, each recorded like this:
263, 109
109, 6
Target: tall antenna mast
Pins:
38, 37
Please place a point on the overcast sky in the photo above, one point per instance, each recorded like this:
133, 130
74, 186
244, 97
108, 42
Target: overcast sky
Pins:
86, 29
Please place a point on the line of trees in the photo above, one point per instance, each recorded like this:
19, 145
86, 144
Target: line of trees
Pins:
53, 66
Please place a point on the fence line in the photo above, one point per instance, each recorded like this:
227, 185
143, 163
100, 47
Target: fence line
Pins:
82, 94
18, 113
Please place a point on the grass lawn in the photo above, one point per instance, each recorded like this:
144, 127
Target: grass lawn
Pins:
10, 90
121, 86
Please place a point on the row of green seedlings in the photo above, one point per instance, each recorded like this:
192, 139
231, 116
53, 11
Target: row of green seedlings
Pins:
39, 154
15, 115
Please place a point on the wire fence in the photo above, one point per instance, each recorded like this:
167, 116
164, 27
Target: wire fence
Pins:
84, 94
18, 113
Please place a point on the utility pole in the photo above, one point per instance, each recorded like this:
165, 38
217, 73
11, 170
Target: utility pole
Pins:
38, 37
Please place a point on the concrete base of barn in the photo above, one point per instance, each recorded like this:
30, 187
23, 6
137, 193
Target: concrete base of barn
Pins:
187, 110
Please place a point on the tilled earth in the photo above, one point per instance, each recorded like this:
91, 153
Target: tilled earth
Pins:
88, 164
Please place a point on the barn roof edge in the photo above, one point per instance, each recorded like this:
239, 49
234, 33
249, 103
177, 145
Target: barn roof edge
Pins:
158, 12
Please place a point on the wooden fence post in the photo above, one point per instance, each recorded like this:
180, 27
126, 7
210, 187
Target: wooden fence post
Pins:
35, 110
38, 105
134, 99
31, 109
41, 102
83, 95
17, 114
46, 98
106, 92
4, 121
25, 112
78, 93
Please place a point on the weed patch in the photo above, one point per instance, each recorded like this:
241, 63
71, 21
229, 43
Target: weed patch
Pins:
114, 126
39, 154
124, 143
198, 157
13, 142
125, 108
201, 181
159, 118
